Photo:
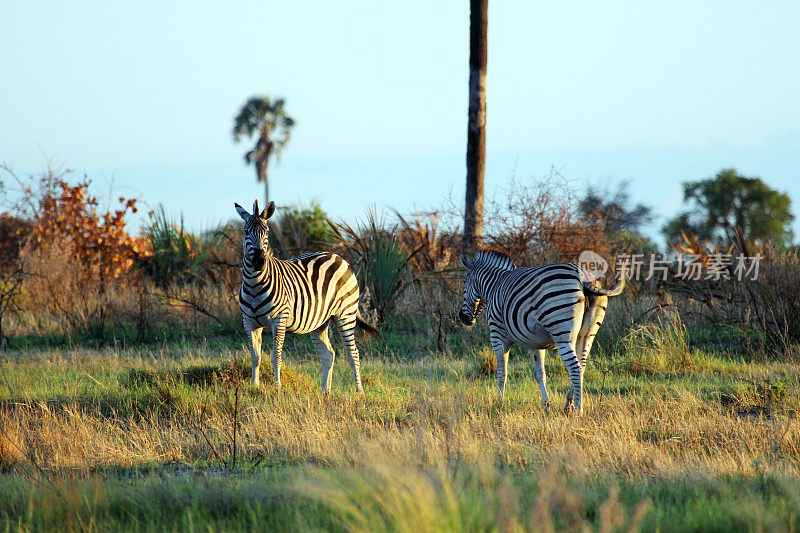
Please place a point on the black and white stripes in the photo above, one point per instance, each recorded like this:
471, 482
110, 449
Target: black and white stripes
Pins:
553, 306
297, 296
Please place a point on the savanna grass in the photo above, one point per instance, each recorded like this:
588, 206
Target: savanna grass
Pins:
143, 439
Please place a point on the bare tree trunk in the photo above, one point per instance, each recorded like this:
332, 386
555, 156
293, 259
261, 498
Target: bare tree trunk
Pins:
476, 124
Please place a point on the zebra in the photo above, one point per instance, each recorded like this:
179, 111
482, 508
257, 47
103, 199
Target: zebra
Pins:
301, 295
552, 306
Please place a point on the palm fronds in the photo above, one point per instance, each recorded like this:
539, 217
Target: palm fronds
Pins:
381, 259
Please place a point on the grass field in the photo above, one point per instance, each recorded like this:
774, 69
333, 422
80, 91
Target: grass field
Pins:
681, 431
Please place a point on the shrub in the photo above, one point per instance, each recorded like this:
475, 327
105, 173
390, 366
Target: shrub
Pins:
300, 229
658, 347
380, 258
175, 256
776, 296
76, 255
485, 363
67, 215
768, 302
539, 223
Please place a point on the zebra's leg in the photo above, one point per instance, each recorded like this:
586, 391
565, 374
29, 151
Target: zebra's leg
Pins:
567, 352
347, 330
326, 354
566, 340
500, 345
592, 319
278, 335
541, 377
255, 352
591, 323
571, 393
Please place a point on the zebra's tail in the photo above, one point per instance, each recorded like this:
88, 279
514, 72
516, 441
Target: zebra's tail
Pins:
616, 291
367, 329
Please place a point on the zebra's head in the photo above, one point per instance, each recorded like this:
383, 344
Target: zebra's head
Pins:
473, 302
256, 235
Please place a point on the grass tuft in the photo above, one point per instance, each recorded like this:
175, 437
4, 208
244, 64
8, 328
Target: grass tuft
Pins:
484, 363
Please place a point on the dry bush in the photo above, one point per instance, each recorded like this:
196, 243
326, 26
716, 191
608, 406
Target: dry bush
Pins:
75, 256
224, 267
14, 233
84, 274
434, 295
63, 212
776, 291
539, 223
64, 287
438, 250
768, 302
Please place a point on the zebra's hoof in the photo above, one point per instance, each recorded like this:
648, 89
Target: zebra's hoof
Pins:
546, 407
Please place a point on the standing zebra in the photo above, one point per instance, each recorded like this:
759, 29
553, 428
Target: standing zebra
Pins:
301, 295
547, 307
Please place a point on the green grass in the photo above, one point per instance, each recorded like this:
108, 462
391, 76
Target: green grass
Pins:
141, 439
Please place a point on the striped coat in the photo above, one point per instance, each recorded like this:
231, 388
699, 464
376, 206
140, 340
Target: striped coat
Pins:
301, 295
553, 306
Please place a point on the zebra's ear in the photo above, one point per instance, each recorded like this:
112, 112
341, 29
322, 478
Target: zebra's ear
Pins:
268, 211
242, 213
466, 262
255, 206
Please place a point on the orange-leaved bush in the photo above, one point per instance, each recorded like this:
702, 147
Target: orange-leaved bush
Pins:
78, 256
69, 214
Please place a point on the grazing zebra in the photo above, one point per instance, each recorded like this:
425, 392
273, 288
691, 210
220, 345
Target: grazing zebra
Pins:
552, 306
300, 295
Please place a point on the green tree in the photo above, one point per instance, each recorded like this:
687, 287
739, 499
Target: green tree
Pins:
719, 204
267, 119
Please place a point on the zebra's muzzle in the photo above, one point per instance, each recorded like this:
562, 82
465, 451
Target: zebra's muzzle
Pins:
258, 260
466, 319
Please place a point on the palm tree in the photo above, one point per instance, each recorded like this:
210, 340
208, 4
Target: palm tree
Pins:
476, 124
267, 118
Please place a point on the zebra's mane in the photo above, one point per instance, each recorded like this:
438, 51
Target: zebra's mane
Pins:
495, 258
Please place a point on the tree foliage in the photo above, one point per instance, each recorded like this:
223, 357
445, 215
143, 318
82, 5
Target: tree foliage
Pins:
614, 210
621, 221
718, 205
266, 118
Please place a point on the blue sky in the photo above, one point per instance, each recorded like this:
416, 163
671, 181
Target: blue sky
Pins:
143, 95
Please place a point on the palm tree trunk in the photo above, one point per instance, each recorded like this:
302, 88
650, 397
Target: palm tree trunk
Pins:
476, 124
261, 176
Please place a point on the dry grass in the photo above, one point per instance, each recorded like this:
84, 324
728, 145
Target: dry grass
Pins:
427, 441
94, 416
